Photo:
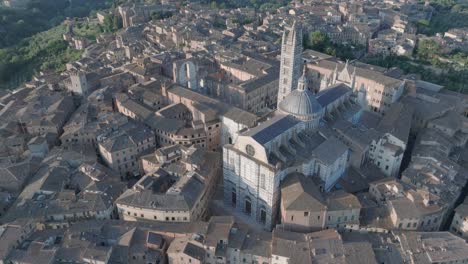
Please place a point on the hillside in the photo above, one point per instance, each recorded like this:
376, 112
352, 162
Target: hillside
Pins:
43, 51
31, 39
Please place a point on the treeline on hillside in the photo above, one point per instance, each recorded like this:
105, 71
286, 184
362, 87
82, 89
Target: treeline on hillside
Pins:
40, 15
44, 51
447, 14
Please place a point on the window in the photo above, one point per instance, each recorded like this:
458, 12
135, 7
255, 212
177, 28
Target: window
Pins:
262, 181
306, 213
250, 150
233, 198
263, 216
248, 205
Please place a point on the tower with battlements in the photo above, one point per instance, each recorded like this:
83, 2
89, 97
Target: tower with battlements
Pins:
78, 82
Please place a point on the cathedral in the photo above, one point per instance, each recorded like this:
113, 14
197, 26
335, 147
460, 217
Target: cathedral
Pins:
375, 90
287, 141
343, 76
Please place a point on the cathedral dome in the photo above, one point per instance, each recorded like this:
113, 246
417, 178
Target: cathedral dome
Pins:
301, 104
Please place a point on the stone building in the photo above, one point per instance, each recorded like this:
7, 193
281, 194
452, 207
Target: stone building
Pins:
121, 148
220, 121
249, 82
409, 207
433, 247
459, 225
387, 151
177, 184
185, 73
373, 89
223, 241
78, 82
306, 208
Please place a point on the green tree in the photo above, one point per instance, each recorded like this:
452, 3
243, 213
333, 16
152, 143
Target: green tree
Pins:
214, 5
46, 50
112, 23
428, 50
41, 15
330, 51
423, 22
158, 15
459, 8
318, 41
117, 23
108, 23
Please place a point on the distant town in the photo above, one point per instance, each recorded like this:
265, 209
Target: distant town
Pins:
199, 132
